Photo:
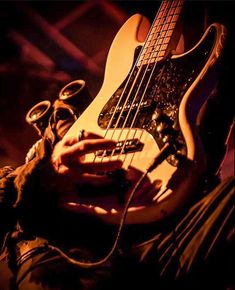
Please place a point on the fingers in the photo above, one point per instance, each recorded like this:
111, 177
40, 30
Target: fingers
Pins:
68, 141
80, 178
71, 154
97, 167
69, 160
79, 167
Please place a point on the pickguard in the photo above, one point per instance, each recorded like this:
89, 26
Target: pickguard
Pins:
150, 97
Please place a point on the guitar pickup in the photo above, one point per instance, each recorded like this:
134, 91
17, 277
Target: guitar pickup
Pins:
134, 106
122, 147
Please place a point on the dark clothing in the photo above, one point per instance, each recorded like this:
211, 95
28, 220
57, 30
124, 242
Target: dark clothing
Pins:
196, 254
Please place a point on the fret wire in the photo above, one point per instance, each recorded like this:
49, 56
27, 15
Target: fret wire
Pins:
160, 48
165, 30
174, 12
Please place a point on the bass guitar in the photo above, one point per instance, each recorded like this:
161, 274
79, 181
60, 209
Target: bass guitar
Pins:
149, 103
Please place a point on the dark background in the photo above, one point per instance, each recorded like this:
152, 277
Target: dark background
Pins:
46, 44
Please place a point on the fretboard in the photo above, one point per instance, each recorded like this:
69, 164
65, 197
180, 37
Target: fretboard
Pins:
161, 32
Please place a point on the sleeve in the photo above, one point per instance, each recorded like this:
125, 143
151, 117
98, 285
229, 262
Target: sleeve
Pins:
7, 198
37, 191
25, 188
34, 176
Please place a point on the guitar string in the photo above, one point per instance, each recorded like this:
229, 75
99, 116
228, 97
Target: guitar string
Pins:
178, 5
134, 82
136, 78
138, 83
124, 89
160, 42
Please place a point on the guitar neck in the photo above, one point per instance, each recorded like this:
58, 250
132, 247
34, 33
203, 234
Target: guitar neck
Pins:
161, 32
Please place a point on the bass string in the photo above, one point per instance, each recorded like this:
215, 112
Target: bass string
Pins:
158, 54
165, 10
149, 62
178, 5
124, 89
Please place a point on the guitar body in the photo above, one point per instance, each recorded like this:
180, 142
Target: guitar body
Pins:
174, 93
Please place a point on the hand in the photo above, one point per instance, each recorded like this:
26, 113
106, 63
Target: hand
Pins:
69, 159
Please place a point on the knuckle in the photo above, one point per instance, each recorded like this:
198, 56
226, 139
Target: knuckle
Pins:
82, 146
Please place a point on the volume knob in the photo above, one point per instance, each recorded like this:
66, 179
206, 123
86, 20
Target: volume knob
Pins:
161, 127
